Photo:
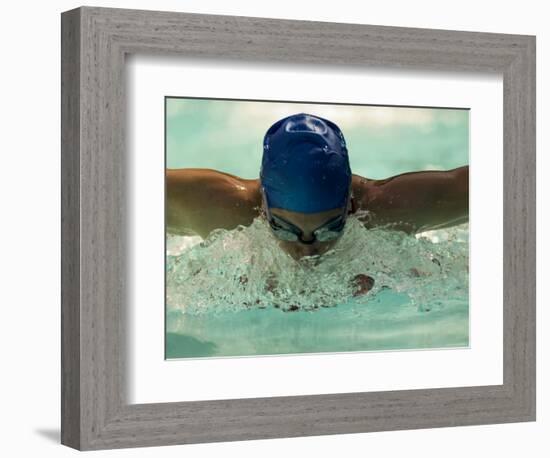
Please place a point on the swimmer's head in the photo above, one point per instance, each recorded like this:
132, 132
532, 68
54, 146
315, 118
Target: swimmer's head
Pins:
305, 166
306, 181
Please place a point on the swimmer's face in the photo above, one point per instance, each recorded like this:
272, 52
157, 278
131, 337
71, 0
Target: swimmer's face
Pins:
307, 223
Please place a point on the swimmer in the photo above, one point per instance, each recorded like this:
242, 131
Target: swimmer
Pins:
306, 191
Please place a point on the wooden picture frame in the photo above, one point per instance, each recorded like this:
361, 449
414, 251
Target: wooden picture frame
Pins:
95, 411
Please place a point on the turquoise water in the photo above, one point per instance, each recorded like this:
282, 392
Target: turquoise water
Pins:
419, 298
221, 297
388, 322
382, 141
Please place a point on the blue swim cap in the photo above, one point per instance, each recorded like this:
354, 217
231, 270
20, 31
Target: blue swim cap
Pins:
305, 166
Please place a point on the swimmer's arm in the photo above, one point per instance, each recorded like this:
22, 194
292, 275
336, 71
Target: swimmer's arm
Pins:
201, 200
416, 201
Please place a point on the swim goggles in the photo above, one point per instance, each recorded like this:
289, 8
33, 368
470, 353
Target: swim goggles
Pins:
285, 230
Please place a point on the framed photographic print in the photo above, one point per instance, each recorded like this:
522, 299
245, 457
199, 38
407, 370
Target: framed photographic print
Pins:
264, 237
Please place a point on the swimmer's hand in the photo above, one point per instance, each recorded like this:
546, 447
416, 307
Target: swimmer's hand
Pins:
361, 284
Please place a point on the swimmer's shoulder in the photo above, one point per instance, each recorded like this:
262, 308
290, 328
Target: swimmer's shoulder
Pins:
201, 200
362, 190
200, 184
203, 176
245, 189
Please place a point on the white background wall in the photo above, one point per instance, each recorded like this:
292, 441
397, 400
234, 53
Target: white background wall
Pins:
29, 228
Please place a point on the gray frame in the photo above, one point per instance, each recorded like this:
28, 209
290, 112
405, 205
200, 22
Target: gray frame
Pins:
95, 413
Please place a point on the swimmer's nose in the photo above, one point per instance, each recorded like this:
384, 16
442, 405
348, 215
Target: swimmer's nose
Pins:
307, 239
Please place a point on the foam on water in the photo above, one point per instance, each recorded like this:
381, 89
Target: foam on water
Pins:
246, 269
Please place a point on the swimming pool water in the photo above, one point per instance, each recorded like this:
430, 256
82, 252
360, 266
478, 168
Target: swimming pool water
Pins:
238, 294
